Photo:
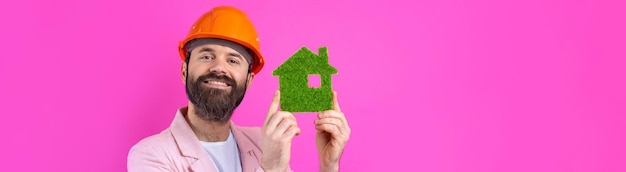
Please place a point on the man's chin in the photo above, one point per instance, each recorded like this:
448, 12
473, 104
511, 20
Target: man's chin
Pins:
218, 92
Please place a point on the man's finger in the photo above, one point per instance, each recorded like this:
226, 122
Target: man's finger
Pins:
334, 115
273, 106
329, 128
335, 102
277, 118
283, 126
331, 114
330, 121
292, 131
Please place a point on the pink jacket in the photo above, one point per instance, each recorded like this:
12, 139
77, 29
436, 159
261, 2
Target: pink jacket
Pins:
178, 149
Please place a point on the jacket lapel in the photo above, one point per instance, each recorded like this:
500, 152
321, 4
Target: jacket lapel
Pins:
189, 145
249, 152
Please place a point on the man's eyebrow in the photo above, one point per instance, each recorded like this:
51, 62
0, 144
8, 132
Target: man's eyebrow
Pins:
235, 55
210, 50
207, 49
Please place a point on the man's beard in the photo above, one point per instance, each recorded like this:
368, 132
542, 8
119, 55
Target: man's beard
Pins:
212, 104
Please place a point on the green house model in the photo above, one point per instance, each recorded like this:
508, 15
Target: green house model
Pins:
298, 73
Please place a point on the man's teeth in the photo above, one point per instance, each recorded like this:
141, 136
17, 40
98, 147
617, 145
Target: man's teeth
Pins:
217, 83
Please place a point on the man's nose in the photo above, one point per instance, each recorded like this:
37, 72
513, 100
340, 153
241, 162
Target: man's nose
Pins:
218, 66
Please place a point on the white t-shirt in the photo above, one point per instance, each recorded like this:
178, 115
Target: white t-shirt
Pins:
225, 155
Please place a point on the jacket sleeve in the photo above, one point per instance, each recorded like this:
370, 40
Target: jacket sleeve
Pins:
143, 157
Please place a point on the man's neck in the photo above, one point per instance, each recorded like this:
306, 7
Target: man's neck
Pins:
207, 131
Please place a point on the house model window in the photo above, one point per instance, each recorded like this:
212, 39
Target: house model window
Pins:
314, 81
300, 91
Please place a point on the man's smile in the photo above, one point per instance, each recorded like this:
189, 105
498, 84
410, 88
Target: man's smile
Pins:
216, 83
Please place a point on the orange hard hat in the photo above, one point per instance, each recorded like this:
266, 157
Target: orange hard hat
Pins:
228, 23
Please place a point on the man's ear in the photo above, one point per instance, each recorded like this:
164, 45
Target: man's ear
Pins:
183, 72
250, 79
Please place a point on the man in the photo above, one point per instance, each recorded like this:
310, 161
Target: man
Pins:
220, 56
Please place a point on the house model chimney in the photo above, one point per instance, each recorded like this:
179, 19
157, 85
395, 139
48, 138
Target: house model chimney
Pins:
323, 53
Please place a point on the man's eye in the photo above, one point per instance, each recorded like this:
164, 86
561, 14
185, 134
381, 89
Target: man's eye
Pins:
207, 57
233, 61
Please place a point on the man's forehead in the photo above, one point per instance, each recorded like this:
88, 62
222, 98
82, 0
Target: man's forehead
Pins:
198, 44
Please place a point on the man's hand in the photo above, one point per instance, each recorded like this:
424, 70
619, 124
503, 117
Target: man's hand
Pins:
278, 131
333, 133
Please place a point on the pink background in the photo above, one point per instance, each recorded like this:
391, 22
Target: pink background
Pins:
446, 85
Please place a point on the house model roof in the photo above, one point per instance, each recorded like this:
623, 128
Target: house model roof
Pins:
306, 62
